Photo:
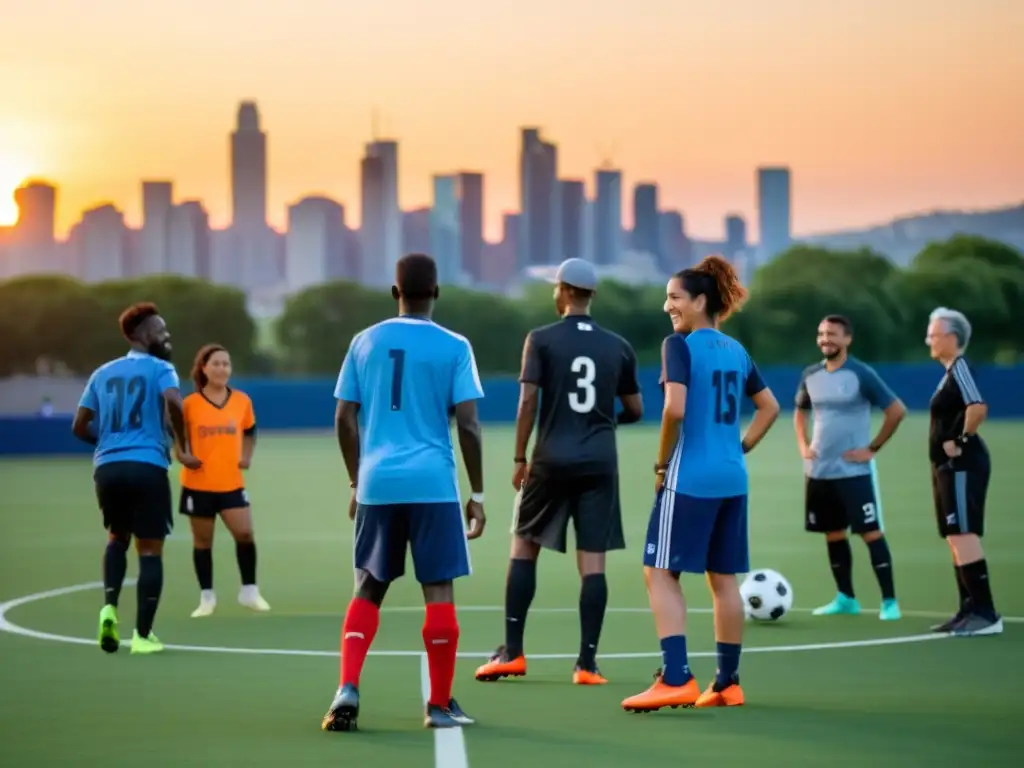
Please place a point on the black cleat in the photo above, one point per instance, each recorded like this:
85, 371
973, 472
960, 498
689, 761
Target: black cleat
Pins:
979, 625
441, 717
344, 712
457, 713
951, 623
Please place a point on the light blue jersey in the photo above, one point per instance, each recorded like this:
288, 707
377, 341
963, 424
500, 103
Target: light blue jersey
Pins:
406, 374
717, 372
127, 397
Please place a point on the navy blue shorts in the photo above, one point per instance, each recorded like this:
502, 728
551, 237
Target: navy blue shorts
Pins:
434, 532
687, 534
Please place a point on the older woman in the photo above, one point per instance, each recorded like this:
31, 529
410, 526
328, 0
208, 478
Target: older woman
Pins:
960, 473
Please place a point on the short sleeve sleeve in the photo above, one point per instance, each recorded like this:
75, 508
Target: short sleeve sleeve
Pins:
675, 360
961, 374
167, 377
875, 390
90, 399
248, 417
628, 384
754, 383
347, 387
803, 397
532, 366
466, 384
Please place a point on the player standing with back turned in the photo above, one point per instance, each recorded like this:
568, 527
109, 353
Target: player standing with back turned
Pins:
699, 520
400, 380
576, 370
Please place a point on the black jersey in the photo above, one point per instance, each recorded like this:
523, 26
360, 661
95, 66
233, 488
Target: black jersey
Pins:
948, 407
580, 369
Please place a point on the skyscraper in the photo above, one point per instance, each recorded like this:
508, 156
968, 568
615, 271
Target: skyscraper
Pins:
373, 267
539, 240
101, 244
735, 235
646, 222
157, 201
445, 238
675, 245
471, 223
391, 244
315, 243
608, 217
188, 240
573, 202
248, 170
774, 211
33, 244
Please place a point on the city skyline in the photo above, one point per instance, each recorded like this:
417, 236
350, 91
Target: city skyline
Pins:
879, 108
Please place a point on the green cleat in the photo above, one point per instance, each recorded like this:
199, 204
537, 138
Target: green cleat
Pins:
146, 645
890, 611
110, 641
841, 605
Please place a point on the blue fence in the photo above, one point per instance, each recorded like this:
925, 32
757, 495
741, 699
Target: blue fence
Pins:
282, 404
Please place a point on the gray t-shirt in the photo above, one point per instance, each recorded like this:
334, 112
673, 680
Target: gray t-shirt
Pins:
841, 401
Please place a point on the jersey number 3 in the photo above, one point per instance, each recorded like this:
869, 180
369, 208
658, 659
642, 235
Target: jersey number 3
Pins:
584, 398
120, 393
727, 390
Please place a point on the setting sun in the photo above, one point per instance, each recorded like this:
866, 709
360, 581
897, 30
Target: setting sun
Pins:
13, 173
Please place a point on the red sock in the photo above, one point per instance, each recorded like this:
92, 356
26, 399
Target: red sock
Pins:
441, 638
361, 622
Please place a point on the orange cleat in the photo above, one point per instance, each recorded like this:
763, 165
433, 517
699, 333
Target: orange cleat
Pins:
500, 665
660, 695
730, 696
581, 676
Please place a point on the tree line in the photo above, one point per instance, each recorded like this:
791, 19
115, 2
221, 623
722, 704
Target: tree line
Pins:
72, 325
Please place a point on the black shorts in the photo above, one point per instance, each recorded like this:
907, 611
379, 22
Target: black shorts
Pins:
135, 498
960, 499
841, 504
550, 500
211, 503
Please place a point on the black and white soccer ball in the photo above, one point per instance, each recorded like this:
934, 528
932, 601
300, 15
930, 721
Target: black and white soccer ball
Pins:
767, 596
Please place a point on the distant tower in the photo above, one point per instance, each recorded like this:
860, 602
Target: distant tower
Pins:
774, 211
248, 171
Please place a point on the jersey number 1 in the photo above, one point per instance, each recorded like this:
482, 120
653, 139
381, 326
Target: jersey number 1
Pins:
398, 358
585, 398
727, 389
120, 393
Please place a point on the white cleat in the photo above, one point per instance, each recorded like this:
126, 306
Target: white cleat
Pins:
250, 597
207, 604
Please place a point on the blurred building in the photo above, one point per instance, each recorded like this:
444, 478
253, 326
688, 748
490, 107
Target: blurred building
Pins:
608, 217
100, 240
157, 202
188, 240
386, 151
315, 244
373, 269
735, 235
445, 239
646, 221
539, 240
471, 224
573, 208
774, 211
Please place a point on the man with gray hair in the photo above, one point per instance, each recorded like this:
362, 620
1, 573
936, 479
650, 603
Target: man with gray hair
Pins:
961, 467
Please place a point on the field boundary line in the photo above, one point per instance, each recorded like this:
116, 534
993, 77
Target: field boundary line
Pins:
449, 743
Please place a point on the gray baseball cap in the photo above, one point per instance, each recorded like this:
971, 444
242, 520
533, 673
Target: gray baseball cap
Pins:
579, 273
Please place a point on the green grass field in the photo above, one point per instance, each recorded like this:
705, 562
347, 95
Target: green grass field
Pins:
227, 700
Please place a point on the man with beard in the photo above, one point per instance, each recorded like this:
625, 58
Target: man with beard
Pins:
842, 486
122, 413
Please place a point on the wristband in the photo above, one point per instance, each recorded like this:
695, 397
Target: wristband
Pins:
476, 498
660, 469
744, 446
520, 460
965, 438
352, 484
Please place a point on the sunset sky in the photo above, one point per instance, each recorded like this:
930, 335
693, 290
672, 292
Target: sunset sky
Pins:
880, 107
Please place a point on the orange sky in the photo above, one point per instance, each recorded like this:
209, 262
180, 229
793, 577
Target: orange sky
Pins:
880, 107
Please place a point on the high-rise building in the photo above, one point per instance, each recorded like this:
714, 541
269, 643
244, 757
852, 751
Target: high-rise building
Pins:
33, 245
315, 243
387, 151
608, 217
572, 202
774, 211
471, 224
100, 240
646, 222
416, 230
589, 236
157, 201
674, 242
373, 265
188, 240
248, 170
735, 235
539, 240
445, 238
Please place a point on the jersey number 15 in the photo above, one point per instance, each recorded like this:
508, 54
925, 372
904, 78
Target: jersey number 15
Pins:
727, 390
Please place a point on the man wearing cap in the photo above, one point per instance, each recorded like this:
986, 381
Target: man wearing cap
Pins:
574, 371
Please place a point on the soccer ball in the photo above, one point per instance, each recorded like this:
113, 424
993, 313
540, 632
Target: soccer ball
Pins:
767, 595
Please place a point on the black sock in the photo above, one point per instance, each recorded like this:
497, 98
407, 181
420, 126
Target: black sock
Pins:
202, 559
115, 564
151, 584
519, 590
881, 561
245, 551
976, 576
841, 558
961, 587
593, 601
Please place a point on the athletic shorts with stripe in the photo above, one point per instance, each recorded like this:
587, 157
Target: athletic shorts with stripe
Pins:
435, 534
960, 499
687, 534
846, 502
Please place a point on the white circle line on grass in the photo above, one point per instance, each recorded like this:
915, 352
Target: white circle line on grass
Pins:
7, 626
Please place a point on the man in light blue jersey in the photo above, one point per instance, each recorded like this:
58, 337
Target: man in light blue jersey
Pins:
400, 382
839, 462
699, 520
122, 413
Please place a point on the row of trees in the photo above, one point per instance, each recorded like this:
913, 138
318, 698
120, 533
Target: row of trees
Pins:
63, 320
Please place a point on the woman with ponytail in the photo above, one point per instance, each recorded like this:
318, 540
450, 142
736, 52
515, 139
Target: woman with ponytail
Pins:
699, 520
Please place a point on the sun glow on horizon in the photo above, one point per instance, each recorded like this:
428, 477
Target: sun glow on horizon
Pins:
13, 173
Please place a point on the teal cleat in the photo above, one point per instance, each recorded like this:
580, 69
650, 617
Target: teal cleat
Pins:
841, 605
890, 611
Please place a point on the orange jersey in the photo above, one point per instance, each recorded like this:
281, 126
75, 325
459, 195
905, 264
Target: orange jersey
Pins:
215, 437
